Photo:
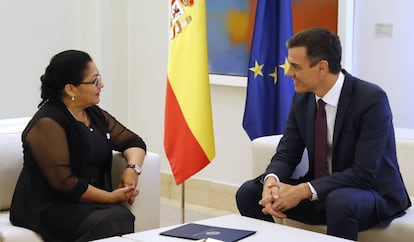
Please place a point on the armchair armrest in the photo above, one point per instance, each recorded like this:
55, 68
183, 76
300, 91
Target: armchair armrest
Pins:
263, 149
146, 207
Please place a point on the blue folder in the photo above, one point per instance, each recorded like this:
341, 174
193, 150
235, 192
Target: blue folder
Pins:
195, 231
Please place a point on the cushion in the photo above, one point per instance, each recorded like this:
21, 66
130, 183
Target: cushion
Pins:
401, 229
405, 156
11, 163
12, 233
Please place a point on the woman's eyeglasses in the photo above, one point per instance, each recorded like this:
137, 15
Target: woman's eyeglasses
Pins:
95, 82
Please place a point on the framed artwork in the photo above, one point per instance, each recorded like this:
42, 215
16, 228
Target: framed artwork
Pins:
230, 26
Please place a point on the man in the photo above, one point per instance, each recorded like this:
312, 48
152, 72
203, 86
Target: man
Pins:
358, 183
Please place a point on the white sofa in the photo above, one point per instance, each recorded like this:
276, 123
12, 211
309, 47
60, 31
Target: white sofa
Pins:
400, 230
146, 207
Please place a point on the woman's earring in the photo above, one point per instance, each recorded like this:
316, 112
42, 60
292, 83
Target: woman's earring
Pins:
73, 98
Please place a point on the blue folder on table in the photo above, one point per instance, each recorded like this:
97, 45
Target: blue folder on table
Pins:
198, 231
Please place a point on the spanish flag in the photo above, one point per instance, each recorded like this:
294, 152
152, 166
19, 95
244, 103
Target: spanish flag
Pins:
188, 131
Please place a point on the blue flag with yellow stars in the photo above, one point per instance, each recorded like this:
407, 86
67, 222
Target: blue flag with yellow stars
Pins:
269, 91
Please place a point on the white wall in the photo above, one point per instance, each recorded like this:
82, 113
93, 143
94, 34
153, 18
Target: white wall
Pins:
129, 42
31, 32
114, 57
148, 53
387, 61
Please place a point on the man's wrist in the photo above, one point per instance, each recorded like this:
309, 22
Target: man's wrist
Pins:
271, 175
270, 180
313, 193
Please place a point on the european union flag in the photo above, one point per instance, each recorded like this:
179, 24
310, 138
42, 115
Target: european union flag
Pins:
269, 91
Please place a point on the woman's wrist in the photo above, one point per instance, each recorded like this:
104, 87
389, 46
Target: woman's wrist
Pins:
135, 167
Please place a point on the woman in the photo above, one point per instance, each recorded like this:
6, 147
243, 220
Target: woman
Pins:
64, 190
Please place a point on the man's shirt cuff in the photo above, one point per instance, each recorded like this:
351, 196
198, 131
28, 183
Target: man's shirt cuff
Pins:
271, 175
314, 193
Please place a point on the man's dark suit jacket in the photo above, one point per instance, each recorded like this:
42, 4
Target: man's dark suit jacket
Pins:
364, 151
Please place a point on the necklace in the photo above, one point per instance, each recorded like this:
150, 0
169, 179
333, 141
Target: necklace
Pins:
84, 119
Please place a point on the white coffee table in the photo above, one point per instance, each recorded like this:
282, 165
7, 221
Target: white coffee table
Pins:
113, 239
266, 231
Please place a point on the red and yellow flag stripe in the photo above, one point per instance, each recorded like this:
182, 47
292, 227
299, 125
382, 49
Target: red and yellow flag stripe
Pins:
188, 134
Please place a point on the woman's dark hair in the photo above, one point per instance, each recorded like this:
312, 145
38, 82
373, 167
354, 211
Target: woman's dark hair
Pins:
320, 44
67, 67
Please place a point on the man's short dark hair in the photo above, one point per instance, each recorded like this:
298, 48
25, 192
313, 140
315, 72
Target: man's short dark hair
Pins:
320, 44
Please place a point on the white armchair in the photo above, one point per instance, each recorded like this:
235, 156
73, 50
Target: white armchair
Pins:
146, 207
401, 229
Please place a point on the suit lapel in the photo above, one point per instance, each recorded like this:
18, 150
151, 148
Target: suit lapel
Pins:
343, 105
310, 131
311, 123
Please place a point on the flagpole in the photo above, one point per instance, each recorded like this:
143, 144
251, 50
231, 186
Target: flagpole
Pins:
183, 202
187, 72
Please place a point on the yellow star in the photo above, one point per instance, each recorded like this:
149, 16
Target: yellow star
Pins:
257, 69
274, 75
285, 66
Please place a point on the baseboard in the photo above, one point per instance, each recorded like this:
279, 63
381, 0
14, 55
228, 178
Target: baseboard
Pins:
201, 192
